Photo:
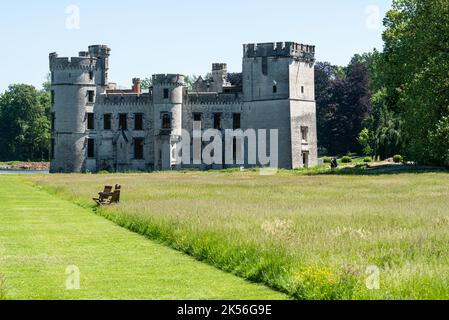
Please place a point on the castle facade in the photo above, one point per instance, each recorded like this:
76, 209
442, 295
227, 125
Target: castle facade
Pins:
96, 126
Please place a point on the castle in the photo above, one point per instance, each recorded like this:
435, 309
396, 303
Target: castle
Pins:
96, 126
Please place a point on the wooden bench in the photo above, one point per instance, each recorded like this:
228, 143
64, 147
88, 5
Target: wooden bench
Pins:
108, 197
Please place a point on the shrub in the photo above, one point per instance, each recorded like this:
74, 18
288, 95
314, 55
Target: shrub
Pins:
346, 159
398, 158
367, 159
327, 159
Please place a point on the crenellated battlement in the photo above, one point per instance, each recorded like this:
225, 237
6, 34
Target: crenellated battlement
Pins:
279, 49
125, 99
168, 79
100, 50
213, 98
219, 66
75, 63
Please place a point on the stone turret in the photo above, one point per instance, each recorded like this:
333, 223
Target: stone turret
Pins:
271, 70
168, 93
75, 84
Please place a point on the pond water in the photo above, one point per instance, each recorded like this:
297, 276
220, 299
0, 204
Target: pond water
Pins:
23, 172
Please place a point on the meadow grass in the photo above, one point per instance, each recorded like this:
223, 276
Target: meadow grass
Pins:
311, 236
42, 235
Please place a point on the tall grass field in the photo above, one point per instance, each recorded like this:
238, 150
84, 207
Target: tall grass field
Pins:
313, 237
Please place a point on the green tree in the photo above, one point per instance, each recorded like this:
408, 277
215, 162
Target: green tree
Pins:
146, 83
413, 70
24, 124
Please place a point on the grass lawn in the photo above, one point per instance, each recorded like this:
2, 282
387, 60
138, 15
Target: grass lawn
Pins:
310, 236
40, 235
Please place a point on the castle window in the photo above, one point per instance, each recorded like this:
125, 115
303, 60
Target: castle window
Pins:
52, 149
53, 121
91, 75
123, 121
305, 159
52, 97
304, 134
234, 149
90, 121
91, 148
52, 77
166, 121
265, 66
138, 121
275, 89
302, 89
197, 117
107, 121
138, 148
166, 93
217, 121
90, 96
236, 121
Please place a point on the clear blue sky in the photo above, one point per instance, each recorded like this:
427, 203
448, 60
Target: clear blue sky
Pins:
149, 37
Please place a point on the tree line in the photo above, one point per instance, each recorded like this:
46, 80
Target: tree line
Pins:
25, 123
380, 104
395, 101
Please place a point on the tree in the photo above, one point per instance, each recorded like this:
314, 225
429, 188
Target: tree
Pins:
413, 70
343, 103
24, 124
146, 83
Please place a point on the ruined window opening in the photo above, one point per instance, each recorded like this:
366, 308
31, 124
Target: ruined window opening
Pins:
138, 121
236, 121
197, 117
302, 89
217, 121
90, 121
52, 149
91, 148
234, 149
123, 121
265, 66
166, 121
305, 159
275, 89
90, 96
138, 148
53, 121
107, 121
52, 77
52, 97
91, 75
166, 93
304, 134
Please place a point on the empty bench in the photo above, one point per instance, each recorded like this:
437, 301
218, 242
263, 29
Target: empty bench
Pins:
108, 196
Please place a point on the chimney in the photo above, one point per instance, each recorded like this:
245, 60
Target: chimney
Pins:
137, 86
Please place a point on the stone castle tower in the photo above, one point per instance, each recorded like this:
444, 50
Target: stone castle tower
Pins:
96, 126
75, 84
